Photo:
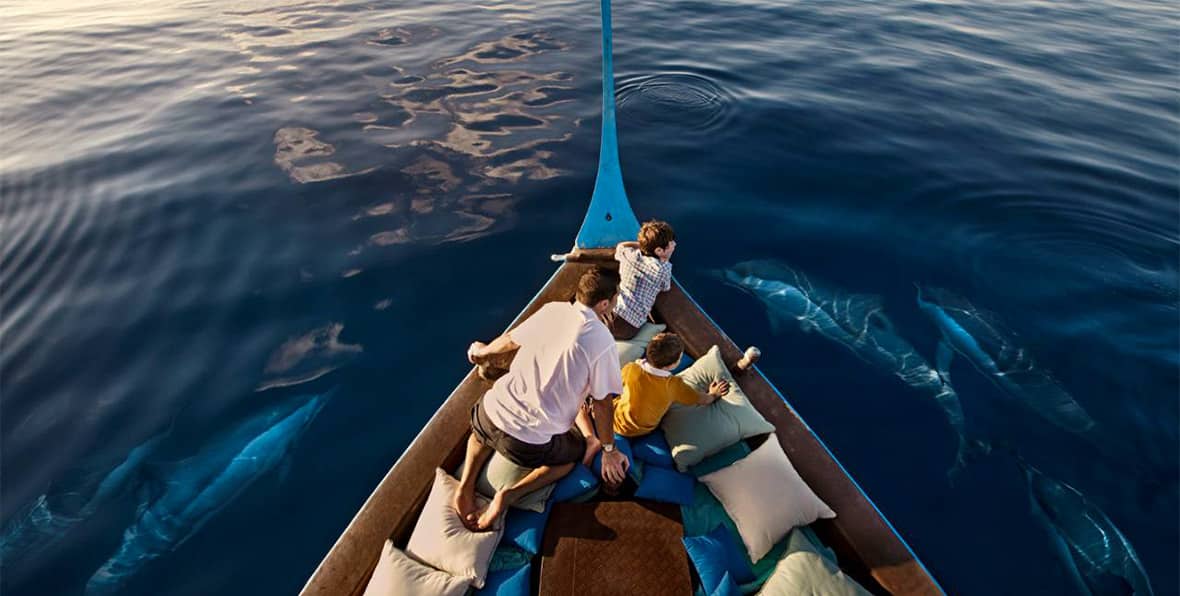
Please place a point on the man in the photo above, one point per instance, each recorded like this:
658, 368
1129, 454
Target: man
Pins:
566, 353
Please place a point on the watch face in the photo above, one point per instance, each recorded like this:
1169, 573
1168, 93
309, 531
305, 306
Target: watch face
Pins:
608, 448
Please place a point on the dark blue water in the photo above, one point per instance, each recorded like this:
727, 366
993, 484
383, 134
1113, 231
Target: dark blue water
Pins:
212, 210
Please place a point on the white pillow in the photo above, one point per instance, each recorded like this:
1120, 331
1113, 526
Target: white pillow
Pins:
441, 540
765, 497
632, 349
399, 575
804, 570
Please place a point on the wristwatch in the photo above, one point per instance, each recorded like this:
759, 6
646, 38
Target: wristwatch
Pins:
608, 447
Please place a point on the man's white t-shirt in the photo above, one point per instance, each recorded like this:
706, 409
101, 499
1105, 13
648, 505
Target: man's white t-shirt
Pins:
566, 353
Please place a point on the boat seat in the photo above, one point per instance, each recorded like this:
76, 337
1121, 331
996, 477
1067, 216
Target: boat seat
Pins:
614, 548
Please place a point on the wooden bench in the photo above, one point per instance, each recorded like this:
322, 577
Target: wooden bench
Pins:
614, 548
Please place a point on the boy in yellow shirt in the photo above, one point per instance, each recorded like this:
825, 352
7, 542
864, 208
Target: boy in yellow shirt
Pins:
649, 388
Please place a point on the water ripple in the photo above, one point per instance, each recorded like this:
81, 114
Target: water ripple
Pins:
690, 103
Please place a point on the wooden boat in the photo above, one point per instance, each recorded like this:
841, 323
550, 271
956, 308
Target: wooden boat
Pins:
867, 547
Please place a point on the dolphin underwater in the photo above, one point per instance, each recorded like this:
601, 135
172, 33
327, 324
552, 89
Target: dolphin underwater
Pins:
53, 513
199, 487
1097, 555
855, 321
992, 349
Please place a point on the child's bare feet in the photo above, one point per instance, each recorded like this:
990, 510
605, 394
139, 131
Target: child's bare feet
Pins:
593, 446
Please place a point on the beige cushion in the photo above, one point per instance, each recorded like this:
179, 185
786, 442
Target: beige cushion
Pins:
696, 432
442, 541
804, 570
399, 575
765, 497
632, 349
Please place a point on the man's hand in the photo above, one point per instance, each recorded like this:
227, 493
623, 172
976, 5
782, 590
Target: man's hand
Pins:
718, 388
476, 351
614, 467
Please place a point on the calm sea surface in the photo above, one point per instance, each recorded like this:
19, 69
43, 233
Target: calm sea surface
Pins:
212, 212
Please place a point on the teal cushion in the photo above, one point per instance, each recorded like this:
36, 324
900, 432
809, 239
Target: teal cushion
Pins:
806, 569
579, 485
508, 556
500, 472
668, 486
525, 529
716, 555
632, 349
722, 459
653, 449
507, 582
696, 432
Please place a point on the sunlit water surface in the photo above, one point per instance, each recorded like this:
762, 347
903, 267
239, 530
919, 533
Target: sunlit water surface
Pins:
213, 211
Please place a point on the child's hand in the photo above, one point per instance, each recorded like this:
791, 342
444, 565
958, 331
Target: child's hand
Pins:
718, 388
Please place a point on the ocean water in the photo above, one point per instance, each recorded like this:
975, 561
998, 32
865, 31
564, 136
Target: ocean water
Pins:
210, 212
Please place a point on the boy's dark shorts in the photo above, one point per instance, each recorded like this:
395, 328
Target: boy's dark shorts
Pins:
566, 448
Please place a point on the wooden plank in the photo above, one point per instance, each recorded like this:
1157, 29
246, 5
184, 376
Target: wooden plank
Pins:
867, 547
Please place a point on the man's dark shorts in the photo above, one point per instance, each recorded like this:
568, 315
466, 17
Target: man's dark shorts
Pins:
565, 448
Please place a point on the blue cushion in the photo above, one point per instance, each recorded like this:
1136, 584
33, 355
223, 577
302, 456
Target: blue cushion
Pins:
727, 587
507, 582
579, 484
525, 528
669, 486
716, 555
722, 459
685, 362
653, 449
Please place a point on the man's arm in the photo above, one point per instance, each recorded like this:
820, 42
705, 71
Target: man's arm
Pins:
501, 345
614, 463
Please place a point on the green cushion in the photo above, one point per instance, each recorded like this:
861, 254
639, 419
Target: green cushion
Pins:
500, 472
722, 459
806, 569
696, 432
632, 349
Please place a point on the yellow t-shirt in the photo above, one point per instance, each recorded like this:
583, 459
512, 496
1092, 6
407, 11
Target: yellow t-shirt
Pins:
645, 399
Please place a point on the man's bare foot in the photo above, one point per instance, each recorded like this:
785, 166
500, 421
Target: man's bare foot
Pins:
464, 504
593, 446
488, 517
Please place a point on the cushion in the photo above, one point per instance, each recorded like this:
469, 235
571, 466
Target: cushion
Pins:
706, 514
500, 472
653, 449
579, 485
663, 484
632, 349
525, 528
508, 556
696, 432
765, 497
399, 575
805, 570
727, 587
716, 555
442, 541
722, 459
507, 582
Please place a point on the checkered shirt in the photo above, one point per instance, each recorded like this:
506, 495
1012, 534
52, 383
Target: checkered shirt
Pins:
642, 278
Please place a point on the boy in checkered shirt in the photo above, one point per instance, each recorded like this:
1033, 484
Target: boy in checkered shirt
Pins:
645, 271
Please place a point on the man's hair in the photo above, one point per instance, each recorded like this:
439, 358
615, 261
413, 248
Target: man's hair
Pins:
596, 285
664, 349
655, 234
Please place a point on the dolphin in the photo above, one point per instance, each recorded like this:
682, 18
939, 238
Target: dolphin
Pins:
1098, 557
993, 350
54, 513
855, 321
197, 488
